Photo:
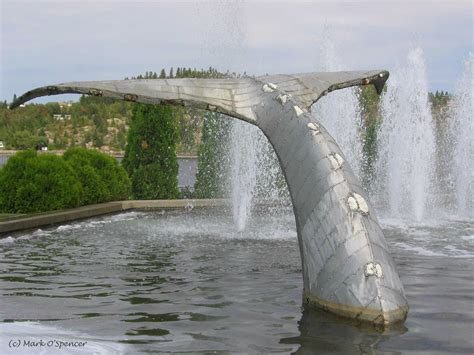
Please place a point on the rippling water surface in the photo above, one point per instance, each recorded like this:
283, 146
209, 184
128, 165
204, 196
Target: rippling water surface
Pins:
188, 281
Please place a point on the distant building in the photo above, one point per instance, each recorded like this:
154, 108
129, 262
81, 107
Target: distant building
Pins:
62, 117
2, 146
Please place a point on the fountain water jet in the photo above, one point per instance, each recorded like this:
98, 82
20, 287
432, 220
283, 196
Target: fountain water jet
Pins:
340, 112
462, 132
406, 141
255, 172
246, 143
227, 46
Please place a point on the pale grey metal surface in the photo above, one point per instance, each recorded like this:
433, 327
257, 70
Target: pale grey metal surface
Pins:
347, 268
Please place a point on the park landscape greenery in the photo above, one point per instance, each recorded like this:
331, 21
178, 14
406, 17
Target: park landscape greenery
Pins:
86, 176
94, 122
151, 136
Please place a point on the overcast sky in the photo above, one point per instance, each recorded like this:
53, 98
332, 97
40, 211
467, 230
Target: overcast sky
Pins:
45, 42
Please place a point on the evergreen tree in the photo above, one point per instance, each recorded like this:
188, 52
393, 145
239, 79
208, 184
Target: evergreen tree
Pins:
212, 156
171, 73
369, 102
150, 154
162, 74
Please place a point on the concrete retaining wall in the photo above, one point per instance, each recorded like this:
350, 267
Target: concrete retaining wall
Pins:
58, 217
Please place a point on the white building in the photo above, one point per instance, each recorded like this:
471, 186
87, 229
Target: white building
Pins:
61, 117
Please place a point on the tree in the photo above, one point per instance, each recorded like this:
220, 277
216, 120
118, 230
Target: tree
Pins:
26, 140
369, 102
150, 154
212, 156
97, 138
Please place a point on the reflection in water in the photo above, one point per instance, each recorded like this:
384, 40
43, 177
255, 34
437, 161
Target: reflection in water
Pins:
331, 334
182, 281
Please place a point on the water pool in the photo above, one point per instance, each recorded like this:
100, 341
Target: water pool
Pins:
179, 281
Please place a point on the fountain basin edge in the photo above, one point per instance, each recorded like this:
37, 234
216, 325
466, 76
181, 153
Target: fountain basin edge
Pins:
17, 224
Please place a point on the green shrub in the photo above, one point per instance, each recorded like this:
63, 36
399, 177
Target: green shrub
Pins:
95, 190
102, 177
35, 183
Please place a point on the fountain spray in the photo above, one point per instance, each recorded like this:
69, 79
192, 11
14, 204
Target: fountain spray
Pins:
406, 142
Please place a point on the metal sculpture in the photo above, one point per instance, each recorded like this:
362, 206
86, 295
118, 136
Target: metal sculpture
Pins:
347, 268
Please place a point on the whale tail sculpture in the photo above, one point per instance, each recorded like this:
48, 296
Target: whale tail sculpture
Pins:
347, 268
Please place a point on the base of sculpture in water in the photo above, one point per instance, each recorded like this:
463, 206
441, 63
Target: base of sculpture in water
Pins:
347, 269
375, 316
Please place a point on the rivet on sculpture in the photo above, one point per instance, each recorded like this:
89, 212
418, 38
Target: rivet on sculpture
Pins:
347, 268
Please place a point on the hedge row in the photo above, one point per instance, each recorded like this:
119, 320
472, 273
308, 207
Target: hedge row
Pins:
37, 183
